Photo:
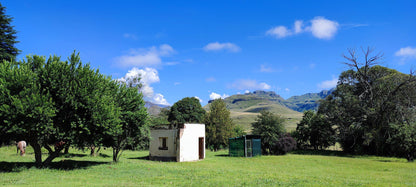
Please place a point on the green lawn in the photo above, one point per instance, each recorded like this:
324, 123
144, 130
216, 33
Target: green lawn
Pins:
79, 169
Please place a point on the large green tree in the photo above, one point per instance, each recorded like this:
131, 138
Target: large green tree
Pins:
368, 103
186, 110
270, 127
314, 131
8, 51
134, 131
47, 101
219, 125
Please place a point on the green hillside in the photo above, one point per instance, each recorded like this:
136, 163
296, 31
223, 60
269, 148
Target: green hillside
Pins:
309, 101
245, 107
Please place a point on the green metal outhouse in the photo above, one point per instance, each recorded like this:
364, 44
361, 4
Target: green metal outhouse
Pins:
245, 146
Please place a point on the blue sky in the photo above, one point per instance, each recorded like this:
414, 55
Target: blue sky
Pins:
211, 49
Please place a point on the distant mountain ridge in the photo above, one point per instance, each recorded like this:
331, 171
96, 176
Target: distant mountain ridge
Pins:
154, 109
309, 101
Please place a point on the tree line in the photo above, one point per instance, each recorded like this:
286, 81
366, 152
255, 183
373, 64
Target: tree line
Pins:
372, 111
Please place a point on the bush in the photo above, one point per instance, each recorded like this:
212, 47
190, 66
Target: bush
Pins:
284, 145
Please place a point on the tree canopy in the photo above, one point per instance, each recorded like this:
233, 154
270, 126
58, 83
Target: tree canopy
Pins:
371, 106
8, 51
219, 125
186, 110
270, 127
44, 101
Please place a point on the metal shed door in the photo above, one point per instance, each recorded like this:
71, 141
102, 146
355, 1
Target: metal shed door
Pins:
249, 148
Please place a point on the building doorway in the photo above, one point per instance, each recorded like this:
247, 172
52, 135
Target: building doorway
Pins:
201, 148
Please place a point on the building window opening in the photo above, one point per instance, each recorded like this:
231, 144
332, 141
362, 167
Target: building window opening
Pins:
163, 143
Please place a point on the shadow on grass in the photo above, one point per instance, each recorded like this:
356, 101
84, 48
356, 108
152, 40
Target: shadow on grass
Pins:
223, 155
71, 155
141, 158
321, 152
60, 165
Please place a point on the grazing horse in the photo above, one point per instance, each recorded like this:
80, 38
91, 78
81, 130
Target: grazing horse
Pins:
22, 147
59, 145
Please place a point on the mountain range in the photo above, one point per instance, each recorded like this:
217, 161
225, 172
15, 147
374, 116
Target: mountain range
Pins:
244, 108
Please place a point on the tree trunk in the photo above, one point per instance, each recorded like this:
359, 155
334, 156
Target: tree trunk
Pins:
52, 156
115, 153
38, 154
67, 148
92, 153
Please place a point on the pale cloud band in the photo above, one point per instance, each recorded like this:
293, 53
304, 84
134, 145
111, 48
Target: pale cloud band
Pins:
319, 27
328, 84
216, 46
145, 57
246, 84
406, 52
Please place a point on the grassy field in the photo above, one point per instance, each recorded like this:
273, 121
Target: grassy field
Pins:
300, 169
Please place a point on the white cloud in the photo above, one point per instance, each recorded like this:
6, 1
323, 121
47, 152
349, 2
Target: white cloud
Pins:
216, 46
210, 79
287, 89
279, 32
328, 84
200, 100
147, 76
265, 69
298, 26
130, 36
160, 99
214, 95
246, 84
150, 57
312, 66
406, 52
246, 91
320, 28
323, 28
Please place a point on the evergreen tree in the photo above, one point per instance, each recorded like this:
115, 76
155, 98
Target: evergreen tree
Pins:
219, 125
8, 51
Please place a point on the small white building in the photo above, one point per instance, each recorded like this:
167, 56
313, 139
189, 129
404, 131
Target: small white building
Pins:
181, 143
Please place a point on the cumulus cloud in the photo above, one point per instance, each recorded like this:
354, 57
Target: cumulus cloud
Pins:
214, 95
145, 57
406, 52
147, 76
328, 84
246, 84
216, 46
279, 32
323, 28
319, 27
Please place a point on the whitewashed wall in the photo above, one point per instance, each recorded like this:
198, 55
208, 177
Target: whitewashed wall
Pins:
189, 142
154, 143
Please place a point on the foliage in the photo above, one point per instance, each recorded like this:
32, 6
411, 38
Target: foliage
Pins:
367, 100
161, 118
186, 110
8, 51
314, 131
134, 131
48, 101
284, 145
239, 131
219, 125
270, 127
